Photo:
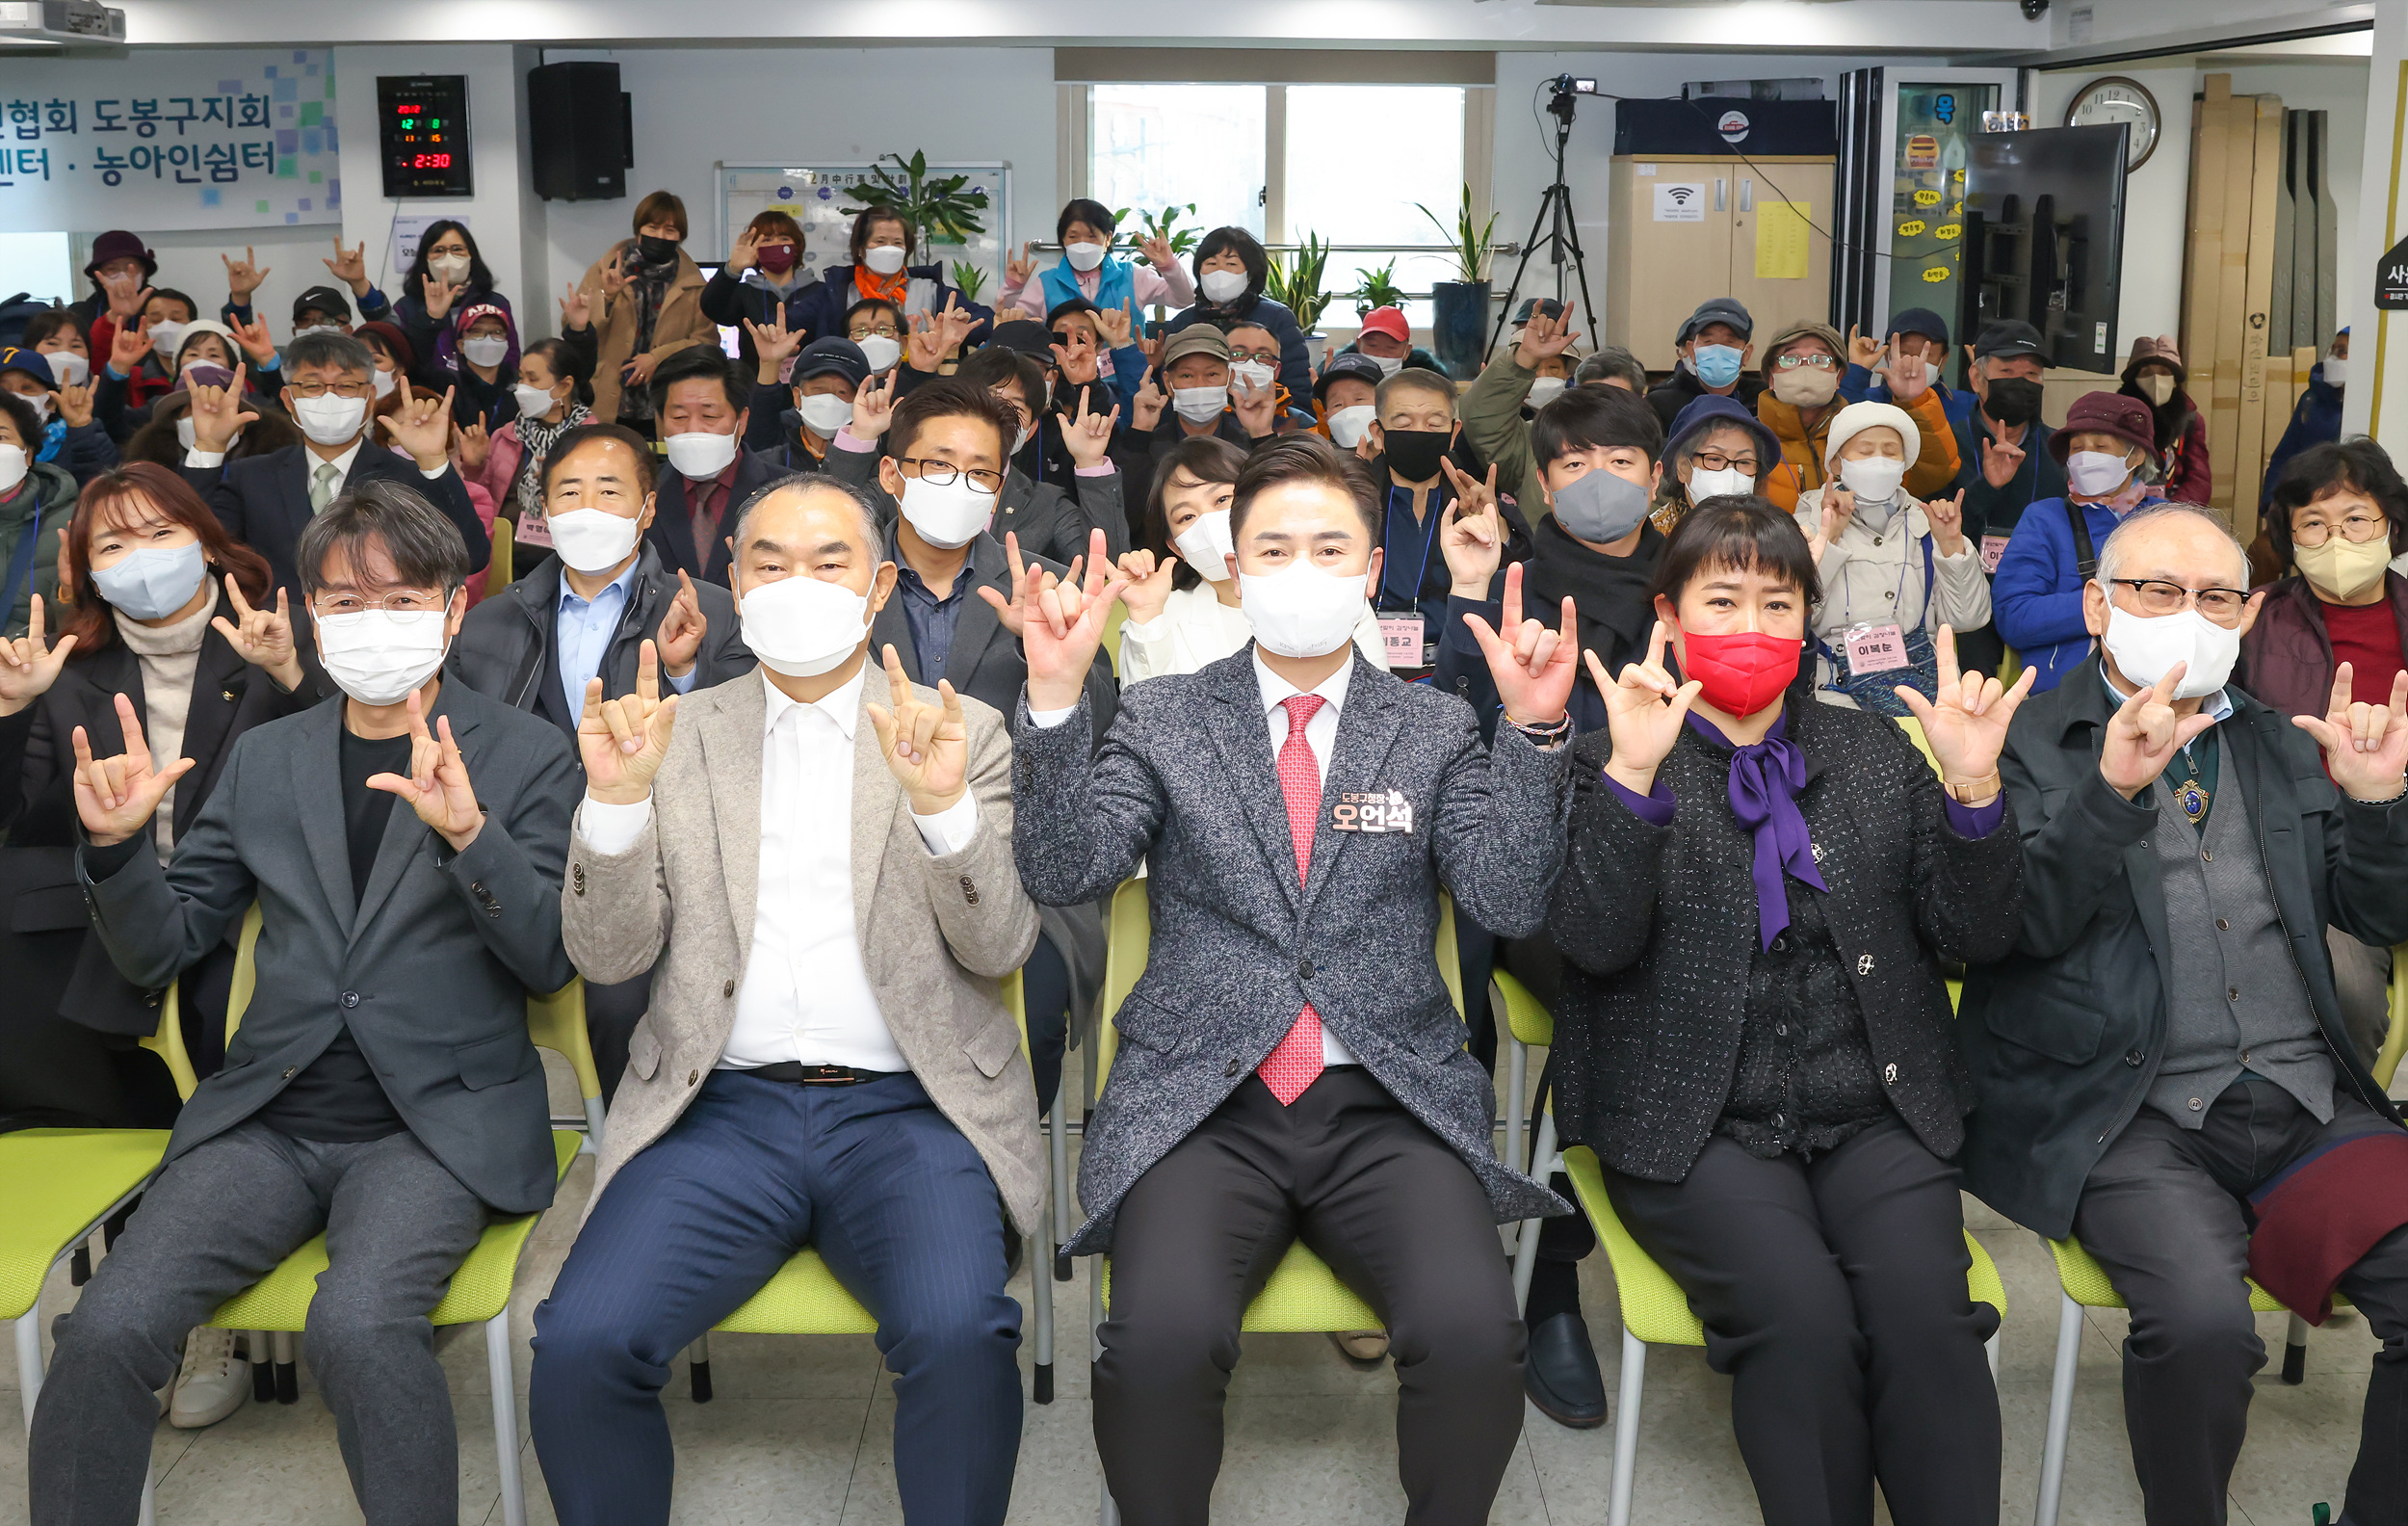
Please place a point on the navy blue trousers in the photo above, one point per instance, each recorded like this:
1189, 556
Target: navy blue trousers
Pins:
907, 1218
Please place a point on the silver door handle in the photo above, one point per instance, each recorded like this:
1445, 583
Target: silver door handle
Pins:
1722, 194
1747, 192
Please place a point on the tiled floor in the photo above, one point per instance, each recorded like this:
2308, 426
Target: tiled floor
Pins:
801, 1431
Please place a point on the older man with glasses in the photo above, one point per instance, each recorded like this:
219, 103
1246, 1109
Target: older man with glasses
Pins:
2163, 1068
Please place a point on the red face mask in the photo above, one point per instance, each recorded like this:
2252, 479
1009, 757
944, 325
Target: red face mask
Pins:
777, 258
1743, 671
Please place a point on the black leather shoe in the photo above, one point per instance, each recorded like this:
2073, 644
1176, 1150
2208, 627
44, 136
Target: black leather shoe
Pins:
1560, 1372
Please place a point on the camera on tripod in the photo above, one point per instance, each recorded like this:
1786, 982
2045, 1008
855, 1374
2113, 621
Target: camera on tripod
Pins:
1564, 87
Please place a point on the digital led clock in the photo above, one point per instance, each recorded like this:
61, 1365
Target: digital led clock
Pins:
422, 132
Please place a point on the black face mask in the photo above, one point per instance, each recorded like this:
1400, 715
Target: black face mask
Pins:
1414, 455
2013, 400
656, 250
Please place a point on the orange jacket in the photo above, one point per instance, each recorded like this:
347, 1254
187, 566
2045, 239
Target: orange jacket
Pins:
1934, 471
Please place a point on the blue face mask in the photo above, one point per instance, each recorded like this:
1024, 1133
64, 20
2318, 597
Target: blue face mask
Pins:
1717, 365
154, 581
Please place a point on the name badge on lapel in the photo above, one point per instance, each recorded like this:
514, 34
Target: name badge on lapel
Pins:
1375, 812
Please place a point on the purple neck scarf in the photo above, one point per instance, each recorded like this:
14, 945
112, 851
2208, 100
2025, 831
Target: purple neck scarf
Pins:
1766, 778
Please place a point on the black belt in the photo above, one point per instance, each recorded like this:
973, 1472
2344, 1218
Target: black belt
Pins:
794, 1073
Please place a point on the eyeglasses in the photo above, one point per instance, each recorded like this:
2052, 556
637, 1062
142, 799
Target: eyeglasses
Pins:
2221, 605
944, 474
1716, 460
1816, 358
319, 389
882, 331
1268, 358
401, 601
2358, 528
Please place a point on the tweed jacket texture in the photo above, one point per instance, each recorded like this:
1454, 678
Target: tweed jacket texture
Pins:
937, 933
1659, 930
1185, 780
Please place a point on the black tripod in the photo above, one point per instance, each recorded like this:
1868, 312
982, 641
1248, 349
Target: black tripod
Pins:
1555, 215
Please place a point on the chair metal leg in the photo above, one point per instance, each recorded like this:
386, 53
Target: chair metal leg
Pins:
1526, 1251
287, 1367
699, 1368
1517, 1086
1058, 1147
503, 1389
1095, 1311
592, 1144
2295, 1352
1108, 1512
2061, 1410
149, 1516
29, 1358
1041, 1314
1626, 1429
1990, 1348
262, 1367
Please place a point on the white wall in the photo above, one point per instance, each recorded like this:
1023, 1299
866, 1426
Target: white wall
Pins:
695, 108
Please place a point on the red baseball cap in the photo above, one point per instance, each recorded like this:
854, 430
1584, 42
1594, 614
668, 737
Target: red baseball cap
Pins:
1389, 321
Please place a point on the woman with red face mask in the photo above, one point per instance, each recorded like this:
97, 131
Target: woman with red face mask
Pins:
764, 273
1754, 1034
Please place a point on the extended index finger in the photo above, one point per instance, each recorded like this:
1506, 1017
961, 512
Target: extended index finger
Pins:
136, 746
897, 682
1655, 645
2342, 677
1513, 597
234, 593
648, 675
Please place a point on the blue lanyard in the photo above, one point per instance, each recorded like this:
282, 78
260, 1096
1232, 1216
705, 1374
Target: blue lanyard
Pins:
1429, 538
1897, 600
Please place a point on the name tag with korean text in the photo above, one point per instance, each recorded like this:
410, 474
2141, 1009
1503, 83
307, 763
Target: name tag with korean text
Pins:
532, 529
1373, 811
1874, 648
1402, 636
1993, 548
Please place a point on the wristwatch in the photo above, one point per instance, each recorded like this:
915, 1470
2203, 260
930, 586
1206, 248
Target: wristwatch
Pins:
1980, 792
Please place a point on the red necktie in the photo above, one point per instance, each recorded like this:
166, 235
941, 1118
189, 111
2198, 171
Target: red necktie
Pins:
1297, 1061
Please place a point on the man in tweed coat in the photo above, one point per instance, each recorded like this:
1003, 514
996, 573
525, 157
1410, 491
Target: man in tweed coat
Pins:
1290, 1064
823, 876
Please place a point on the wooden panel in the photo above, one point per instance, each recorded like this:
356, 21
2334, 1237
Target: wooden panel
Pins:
2278, 307
1657, 273
1777, 302
2307, 189
2249, 459
2203, 332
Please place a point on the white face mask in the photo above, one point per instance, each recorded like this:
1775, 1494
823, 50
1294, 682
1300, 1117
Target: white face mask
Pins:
330, 420
1252, 372
2336, 370
824, 412
700, 453
486, 350
534, 402
166, 336
14, 463
1303, 611
383, 384
1349, 425
42, 408
592, 539
1222, 285
1083, 257
378, 656
1389, 366
1545, 390
881, 351
318, 328
451, 267
2095, 474
1199, 405
801, 626
1729, 481
946, 514
68, 368
2145, 647
1205, 545
884, 259
1873, 479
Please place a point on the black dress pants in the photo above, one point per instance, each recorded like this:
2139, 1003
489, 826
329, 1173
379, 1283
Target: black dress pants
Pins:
1396, 1215
1833, 1293
2163, 1214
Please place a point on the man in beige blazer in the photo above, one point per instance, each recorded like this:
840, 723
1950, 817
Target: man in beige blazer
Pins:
827, 1060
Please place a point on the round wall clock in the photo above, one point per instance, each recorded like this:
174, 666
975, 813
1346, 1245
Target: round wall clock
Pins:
2105, 102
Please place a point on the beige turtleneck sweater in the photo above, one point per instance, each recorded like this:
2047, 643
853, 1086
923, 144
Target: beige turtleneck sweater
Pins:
170, 656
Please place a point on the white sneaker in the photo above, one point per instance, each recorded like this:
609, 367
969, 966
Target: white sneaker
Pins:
213, 1383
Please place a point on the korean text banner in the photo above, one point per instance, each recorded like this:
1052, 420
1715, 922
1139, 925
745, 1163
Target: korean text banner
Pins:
169, 139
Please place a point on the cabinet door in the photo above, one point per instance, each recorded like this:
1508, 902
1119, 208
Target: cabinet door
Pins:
1781, 282
1670, 247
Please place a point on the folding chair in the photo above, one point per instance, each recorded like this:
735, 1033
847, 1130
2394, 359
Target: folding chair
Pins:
1303, 1296
480, 1293
804, 1298
62, 1185
1655, 1311
497, 572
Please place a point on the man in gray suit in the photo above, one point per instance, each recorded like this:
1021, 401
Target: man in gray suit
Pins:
383, 1086
1291, 1066
816, 865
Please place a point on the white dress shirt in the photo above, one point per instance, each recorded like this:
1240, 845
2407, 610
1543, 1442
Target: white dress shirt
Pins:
1320, 734
806, 995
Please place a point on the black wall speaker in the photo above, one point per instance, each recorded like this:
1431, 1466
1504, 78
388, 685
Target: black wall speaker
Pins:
578, 132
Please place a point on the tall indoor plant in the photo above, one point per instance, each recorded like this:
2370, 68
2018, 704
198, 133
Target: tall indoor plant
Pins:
1458, 328
940, 209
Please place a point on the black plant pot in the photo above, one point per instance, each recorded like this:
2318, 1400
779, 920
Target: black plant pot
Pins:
1460, 328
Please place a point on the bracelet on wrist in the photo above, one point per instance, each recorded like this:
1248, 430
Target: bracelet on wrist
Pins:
1545, 733
1976, 792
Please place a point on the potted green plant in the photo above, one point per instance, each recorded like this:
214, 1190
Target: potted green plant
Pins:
1459, 324
1379, 289
1294, 281
940, 209
1162, 224
969, 279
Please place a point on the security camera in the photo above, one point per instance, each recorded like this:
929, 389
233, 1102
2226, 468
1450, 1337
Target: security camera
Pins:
2034, 10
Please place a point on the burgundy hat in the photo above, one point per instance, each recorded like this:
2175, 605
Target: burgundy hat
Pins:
118, 244
2127, 418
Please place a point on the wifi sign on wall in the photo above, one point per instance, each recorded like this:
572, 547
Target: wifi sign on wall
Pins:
1681, 201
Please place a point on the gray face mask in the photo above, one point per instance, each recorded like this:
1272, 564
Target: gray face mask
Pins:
1599, 507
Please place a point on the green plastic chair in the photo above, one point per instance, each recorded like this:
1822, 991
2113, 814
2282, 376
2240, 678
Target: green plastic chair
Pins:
1655, 1311
803, 1298
63, 1184
1303, 1296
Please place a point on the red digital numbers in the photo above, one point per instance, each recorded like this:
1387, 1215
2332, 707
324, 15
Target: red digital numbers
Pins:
431, 160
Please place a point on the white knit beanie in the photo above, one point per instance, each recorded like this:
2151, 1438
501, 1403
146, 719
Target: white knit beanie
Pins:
1857, 417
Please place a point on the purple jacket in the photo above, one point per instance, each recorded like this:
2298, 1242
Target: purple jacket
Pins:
2287, 658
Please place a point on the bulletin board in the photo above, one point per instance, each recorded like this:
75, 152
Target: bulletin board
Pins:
815, 195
